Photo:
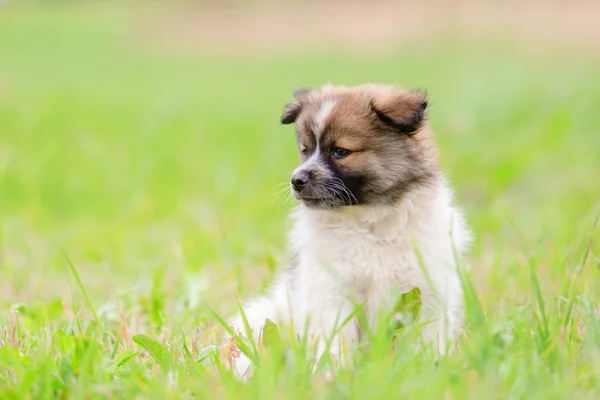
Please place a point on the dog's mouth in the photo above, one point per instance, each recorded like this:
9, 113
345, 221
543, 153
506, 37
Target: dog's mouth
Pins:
308, 199
315, 202
322, 202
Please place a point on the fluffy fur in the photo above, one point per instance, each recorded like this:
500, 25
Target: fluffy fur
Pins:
376, 219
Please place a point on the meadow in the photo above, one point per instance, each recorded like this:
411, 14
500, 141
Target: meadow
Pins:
138, 201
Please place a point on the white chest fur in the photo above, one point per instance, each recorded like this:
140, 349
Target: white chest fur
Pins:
368, 249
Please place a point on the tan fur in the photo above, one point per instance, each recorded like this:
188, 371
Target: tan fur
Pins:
377, 150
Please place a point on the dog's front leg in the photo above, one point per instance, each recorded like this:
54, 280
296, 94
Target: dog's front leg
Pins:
274, 307
331, 331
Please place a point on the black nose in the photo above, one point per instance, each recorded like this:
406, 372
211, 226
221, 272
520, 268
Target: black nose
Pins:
300, 179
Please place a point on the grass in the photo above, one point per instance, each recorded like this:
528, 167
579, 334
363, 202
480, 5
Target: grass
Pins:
136, 195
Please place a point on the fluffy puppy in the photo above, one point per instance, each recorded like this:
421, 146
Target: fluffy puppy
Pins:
375, 220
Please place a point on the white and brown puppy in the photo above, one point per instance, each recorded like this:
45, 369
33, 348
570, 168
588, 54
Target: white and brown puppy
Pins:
375, 219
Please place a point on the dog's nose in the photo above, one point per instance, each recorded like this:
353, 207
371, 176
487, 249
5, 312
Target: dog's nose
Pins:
300, 179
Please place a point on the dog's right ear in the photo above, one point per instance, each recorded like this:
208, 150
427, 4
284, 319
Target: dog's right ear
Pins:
293, 108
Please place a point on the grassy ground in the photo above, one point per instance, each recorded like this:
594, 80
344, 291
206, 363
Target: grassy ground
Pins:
153, 170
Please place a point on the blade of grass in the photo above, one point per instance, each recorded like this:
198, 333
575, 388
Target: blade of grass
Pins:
76, 321
239, 342
537, 291
327, 353
270, 335
186, 351
116, 346
128, 356
586, 254
472, 304
156, 350
86, 297
247, 326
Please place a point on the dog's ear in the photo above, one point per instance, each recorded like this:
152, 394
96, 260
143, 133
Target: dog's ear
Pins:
401, 110
293, 108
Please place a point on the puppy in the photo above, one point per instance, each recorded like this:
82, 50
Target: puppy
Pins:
375, 220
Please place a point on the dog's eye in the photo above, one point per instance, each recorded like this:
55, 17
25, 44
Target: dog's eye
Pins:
339, 152
304, 151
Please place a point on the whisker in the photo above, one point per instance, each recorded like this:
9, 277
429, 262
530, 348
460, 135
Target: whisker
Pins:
279, 191
346, 194
282, 184
345, 189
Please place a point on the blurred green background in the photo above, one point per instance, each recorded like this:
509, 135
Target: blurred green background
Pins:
137, 140
144, 139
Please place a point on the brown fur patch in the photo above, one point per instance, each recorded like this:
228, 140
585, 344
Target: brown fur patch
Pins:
385, 128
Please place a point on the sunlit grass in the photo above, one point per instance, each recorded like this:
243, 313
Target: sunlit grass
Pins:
155, 171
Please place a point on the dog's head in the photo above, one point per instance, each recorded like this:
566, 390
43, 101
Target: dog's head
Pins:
368, 144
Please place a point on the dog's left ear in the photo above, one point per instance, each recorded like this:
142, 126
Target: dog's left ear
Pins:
293, 108
403, 111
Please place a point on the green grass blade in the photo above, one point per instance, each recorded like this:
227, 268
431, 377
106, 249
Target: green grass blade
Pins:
125, 357
86, 297
270, 335
537, 291
116, 346
239, 342
473, 306
158, 352
247, 327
